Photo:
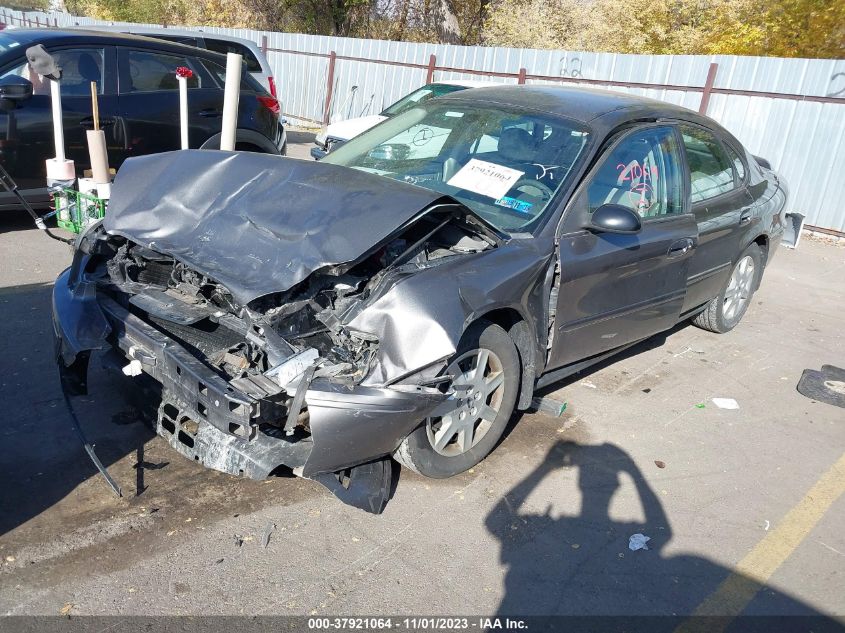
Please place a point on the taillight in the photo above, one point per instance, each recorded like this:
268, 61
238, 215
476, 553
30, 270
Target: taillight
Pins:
272, 83
271, 103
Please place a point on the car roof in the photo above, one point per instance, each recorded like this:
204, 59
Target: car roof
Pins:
584, 105
23, 38
138, 29
467, 83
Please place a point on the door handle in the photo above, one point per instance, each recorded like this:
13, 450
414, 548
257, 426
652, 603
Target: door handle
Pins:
210, 113
681, 247
745, 217
88, 122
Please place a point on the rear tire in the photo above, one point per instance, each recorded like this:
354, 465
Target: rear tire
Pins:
473, 420
724, 312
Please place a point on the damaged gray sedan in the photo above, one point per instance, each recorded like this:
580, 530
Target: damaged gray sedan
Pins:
402, 297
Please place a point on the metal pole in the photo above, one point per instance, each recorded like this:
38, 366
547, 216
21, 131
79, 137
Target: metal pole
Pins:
708, 88
432, 61
521, 79
329, 88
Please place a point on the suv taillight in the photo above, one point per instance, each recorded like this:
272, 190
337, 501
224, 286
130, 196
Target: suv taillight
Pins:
271, 103
272, 83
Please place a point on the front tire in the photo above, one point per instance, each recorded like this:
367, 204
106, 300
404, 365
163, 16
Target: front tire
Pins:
724, 312
485, 370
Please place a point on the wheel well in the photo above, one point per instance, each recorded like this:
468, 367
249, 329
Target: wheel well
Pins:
512, 322
505, 318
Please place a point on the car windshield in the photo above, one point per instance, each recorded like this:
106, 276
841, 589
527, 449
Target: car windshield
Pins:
418, 96
504, 163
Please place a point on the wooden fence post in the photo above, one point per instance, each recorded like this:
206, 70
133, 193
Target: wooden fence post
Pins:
521, 79
432, 62
708, 88
329, 87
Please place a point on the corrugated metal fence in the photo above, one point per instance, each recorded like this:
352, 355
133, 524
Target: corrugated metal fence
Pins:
790, 111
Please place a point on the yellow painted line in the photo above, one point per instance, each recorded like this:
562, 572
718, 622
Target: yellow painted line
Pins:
732, 596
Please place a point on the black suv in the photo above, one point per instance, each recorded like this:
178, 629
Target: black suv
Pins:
138, 102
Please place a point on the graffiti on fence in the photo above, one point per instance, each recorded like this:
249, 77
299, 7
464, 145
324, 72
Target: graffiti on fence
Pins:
570, 68
834, 78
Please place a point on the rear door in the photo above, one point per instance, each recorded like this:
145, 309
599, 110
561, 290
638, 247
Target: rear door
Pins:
27, 131
618, 288
149, 101
722, 207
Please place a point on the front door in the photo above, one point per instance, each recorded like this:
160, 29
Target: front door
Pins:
618, 288
27, 136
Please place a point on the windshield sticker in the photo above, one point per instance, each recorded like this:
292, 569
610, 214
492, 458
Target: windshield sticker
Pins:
516, 205
455, 115
423, 136
488, 179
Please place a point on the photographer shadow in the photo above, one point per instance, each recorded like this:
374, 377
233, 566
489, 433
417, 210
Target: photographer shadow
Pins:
582, 566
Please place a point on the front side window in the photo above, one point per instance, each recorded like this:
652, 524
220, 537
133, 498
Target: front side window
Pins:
642, 173
148, 71
503, 162
419, 96
80, 66
710, 168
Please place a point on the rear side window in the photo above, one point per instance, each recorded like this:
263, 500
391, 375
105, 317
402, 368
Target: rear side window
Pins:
641, 173
737, 161
711, 171
80, 66
149, 71
222, 46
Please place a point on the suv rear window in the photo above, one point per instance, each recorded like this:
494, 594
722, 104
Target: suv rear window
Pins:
222, 46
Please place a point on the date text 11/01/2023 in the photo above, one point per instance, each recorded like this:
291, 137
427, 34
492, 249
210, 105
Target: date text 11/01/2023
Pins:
416, 623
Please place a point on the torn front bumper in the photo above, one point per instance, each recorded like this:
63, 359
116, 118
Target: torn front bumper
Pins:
208, 420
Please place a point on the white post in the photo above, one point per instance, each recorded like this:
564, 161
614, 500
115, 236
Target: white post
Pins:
183, 110
58, 126
58, 168
231, 95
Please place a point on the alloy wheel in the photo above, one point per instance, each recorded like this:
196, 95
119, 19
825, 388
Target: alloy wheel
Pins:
740, 287
478, 388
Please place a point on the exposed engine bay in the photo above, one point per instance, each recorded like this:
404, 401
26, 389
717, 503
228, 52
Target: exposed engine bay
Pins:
264, 347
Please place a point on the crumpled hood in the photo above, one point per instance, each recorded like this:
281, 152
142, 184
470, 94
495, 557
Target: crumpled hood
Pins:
257, 223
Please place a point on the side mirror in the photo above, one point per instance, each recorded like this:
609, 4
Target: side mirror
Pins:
14, 88
615, 218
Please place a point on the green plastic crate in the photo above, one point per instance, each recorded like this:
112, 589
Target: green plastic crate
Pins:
75, 210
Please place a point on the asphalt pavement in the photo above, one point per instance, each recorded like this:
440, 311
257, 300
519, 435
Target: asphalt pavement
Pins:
743, 508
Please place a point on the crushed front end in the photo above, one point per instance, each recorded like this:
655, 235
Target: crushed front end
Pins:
240, 302
245, 389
